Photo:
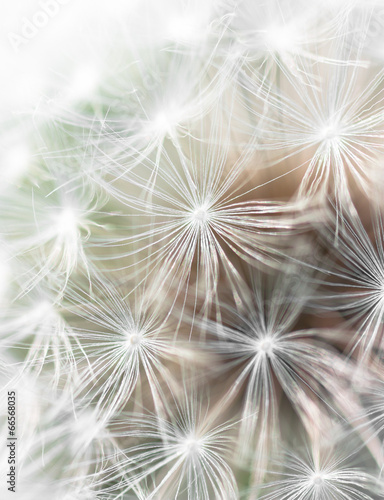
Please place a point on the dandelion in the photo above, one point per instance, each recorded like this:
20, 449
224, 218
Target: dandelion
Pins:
191, 249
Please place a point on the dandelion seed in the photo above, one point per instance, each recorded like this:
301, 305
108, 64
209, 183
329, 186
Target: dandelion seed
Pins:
321, 475
266, 355
356, 277
123, 343
333, 135
49, 229
35, 326
183, 454
276, 37
184, 224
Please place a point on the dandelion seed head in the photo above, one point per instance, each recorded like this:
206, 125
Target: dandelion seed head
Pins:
163, 128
